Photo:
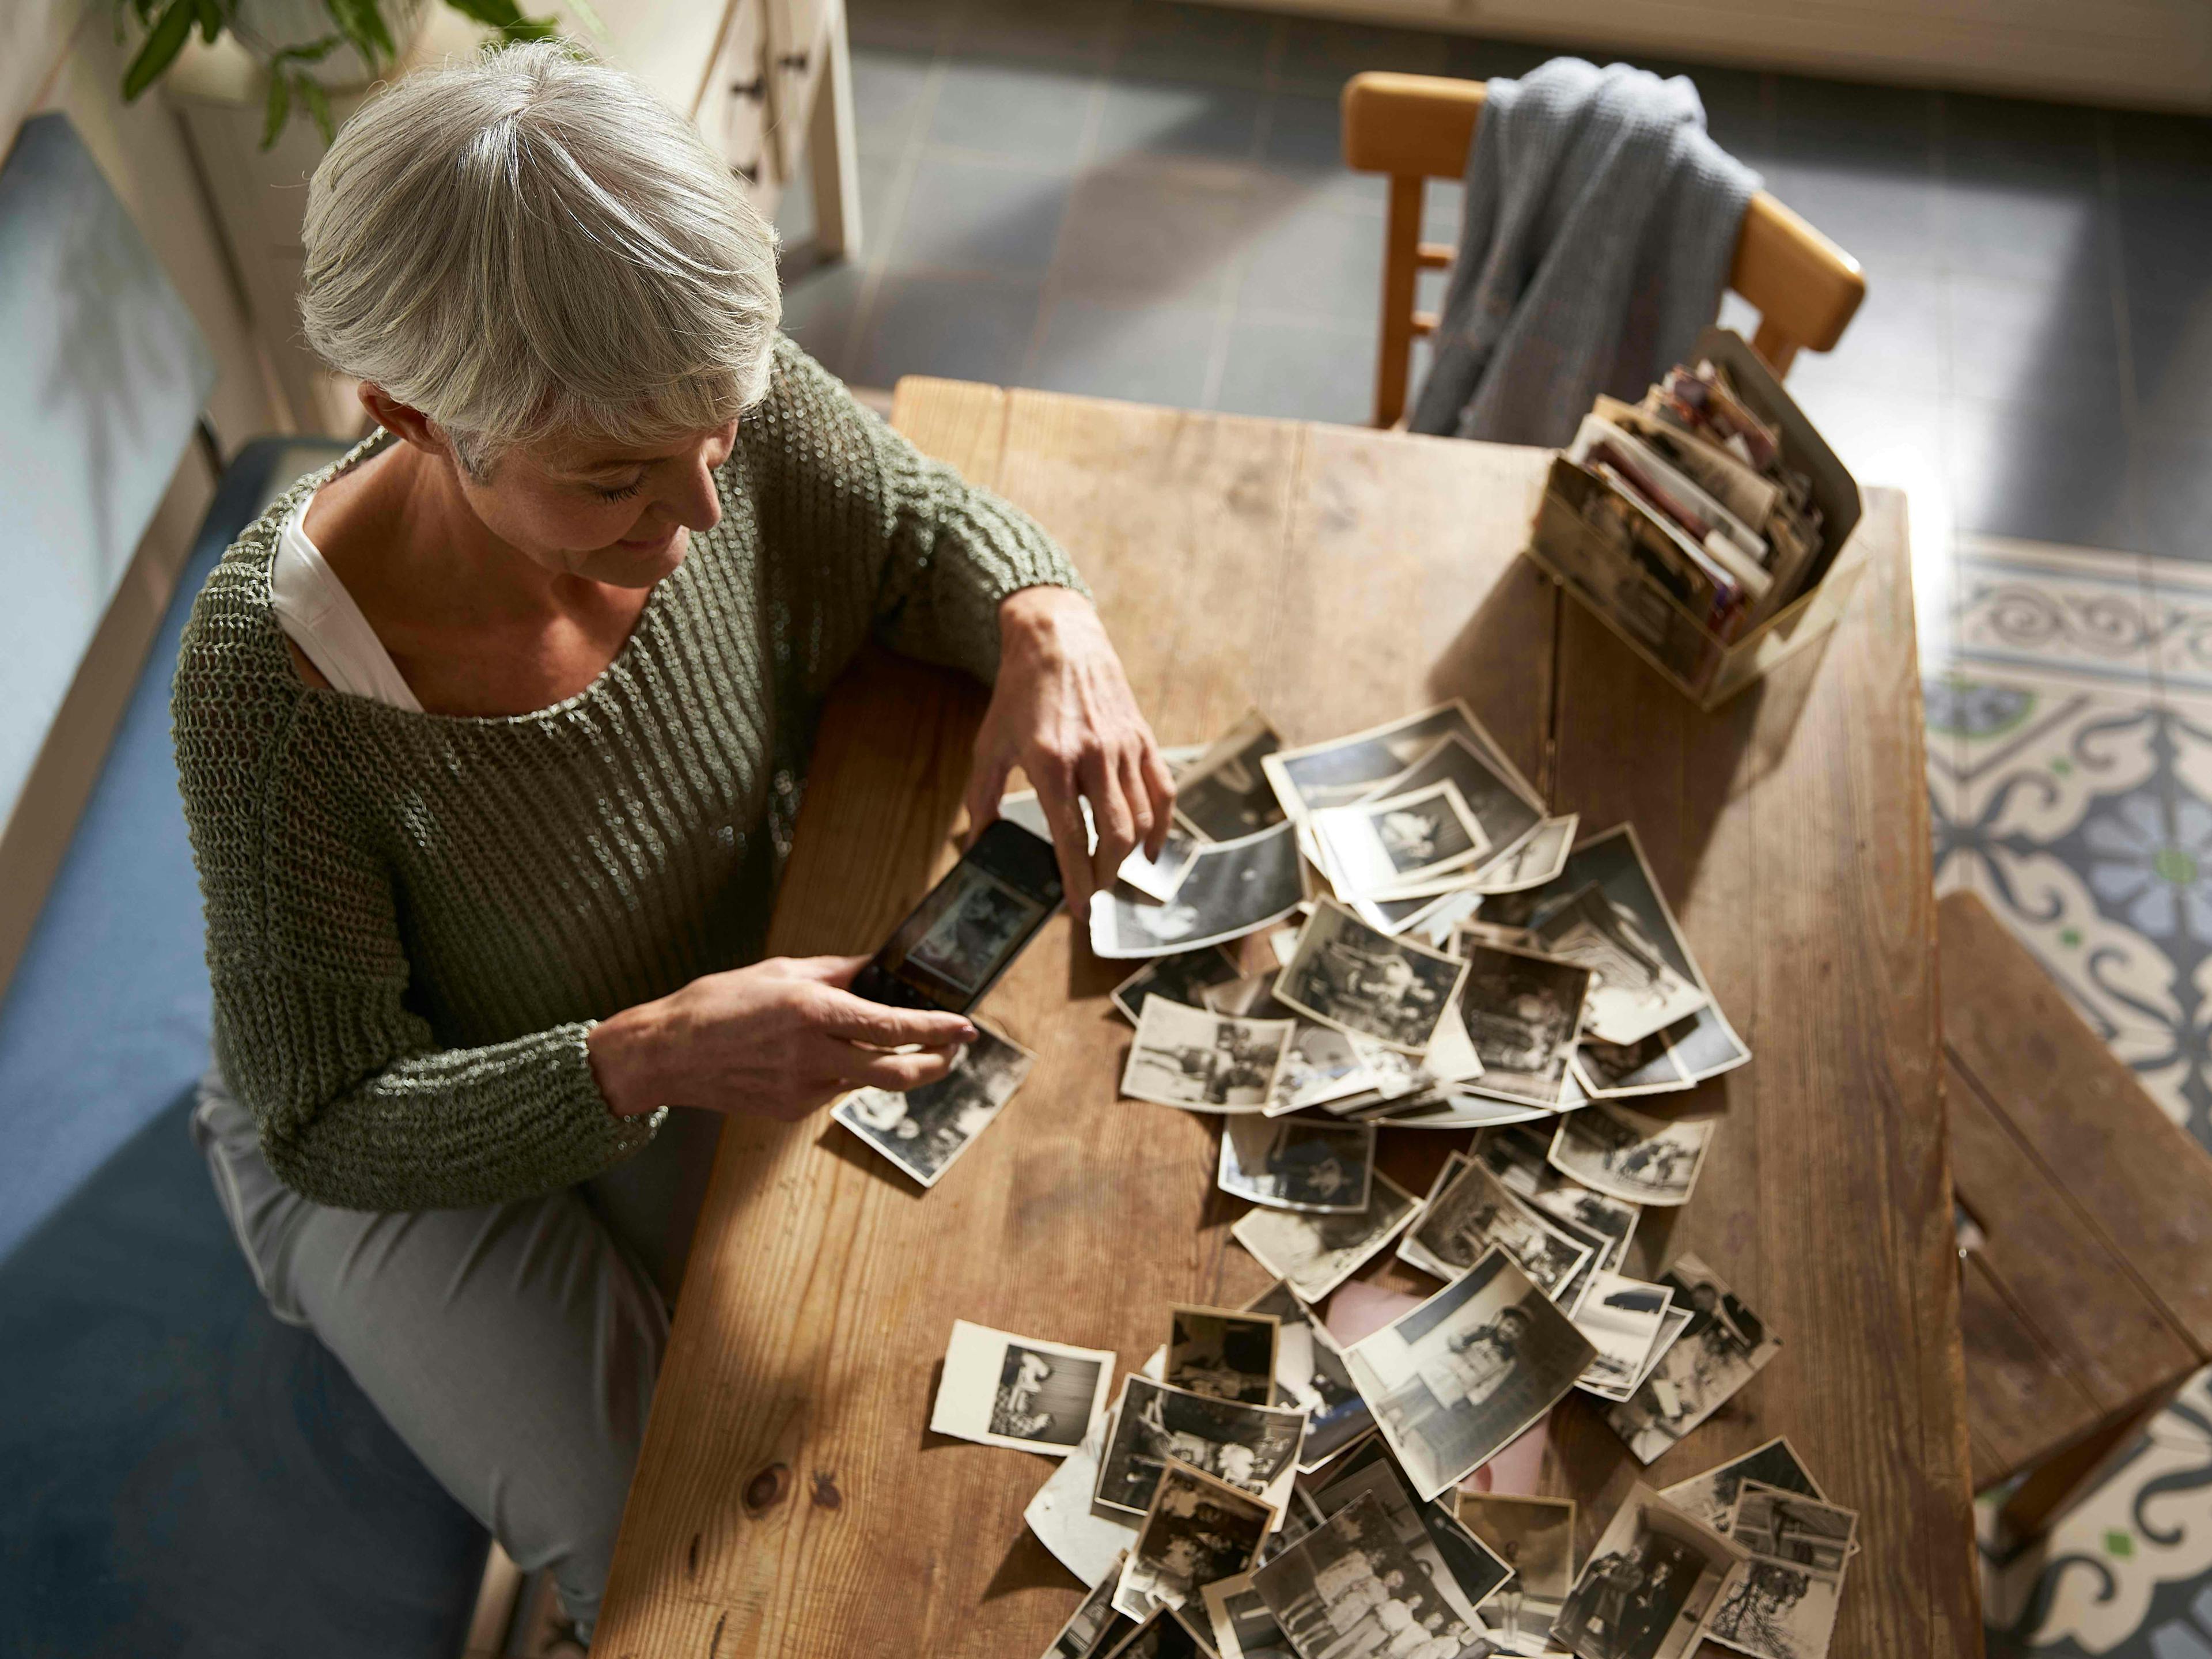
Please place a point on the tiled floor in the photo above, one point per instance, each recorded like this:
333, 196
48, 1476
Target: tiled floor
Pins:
1143, 200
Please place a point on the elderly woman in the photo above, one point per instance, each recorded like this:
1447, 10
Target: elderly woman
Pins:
490, 738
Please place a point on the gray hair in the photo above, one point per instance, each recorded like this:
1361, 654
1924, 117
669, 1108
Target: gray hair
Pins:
525, 243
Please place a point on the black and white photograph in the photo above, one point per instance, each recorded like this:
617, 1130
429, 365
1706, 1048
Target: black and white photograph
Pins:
1198, 1529
1163, 1636
1622, 1318
1006, 1391
1310, 1376
974, 918
1350, 1589
924, 1130
1474, 1213
1313, 1253
1783, 1607
1231, 889
1224, 1353
1298, 1163
1155, 878
1523, 1013
1711, 1497
1633, 993
1465, 1571
1507, 814
1225, 794
1184, 977
1649, 1586
1534, 1537
1340, 771
1720, 1349
1520, 1156
1539, 858
1253, 1448
1375, 848
1085, 1631
1347, 974
1322, 1064
1243, 1626
1452, 1381
1204, 1062
1088, 1541
1632, 1155
1615, 1071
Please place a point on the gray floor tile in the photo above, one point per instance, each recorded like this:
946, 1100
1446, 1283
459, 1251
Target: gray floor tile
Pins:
978, 216
2035, 342
1321, 54
1305, 141
1032, 112
817, 310
910, 23
2044, 477
1168, 41
2172, 351
1895, 345
1839, 124
1999, 139
1476, 58
957, 326
2153, 147
1050, 31
1147, 354
889, 83
1300, 371
1883, 216
2170, 474
2048, 229
2165, 240
1171, 233
1314, 260
1149, 117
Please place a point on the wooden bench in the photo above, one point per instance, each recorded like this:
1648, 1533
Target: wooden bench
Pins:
2086, 1252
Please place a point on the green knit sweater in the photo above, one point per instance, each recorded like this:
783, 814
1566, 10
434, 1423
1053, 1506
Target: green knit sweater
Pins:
413, 920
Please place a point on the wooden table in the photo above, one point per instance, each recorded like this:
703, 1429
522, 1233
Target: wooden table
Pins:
790, 1500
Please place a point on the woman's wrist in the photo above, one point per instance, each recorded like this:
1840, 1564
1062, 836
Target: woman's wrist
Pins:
623, 1050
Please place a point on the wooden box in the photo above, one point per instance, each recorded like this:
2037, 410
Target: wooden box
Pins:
1577, 549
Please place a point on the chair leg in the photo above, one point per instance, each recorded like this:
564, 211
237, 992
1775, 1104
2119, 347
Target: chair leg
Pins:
1402, 240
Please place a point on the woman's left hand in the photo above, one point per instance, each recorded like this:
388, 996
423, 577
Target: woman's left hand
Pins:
1063, 712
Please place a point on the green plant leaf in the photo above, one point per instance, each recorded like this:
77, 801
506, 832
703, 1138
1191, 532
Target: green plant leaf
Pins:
210, 18
318, 106
507, 17
279, 109
163, 44
361, 21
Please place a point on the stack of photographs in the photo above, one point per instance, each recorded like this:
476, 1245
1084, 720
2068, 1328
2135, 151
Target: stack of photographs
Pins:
1203, 1062
1535, 1537
1720, 1347
1651, 1585
1783, 1606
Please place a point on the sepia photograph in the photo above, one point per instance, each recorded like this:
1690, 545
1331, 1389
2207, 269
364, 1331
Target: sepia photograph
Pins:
1310, 1376
1183, 977
1322, 1064
1540, 857
1155, 878
1016, 1391
976, 920
1243, 1626
1253, 1448
1338, 772
1520, 1156
1613, 1071
1783, 1607
924, 1130
1349, 1589
1633, 991
1224, 793
1203, 1061
1474, 1213
1711, 1497
1623, 1318
1231, 889
1523, 1013
1624, 1154
1163, 1636
1507, 814
1372, 848
1720, 1348
1649, 1586
1224, 1353
1085, 1631
1197, 1531
1298, 1163
1451, 1381
1314, 1254
1347, 975
1534, 1537
1464, 1570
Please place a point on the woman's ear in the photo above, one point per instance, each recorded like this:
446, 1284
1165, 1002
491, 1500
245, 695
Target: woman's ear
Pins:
408, 424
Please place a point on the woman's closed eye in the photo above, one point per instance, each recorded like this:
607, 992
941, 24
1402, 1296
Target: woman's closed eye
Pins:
621, 494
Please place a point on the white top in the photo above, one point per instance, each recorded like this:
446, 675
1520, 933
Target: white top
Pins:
319, 616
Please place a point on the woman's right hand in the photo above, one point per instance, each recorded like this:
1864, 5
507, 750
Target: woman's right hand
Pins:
778, 1038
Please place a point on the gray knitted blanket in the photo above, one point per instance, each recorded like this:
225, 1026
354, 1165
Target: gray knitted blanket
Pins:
1600, 225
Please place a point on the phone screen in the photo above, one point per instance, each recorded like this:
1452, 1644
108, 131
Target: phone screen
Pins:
971, 928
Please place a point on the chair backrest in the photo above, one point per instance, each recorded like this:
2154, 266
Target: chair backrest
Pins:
1418, 127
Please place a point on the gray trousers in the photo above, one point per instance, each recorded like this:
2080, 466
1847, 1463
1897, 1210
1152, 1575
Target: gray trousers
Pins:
513, 1348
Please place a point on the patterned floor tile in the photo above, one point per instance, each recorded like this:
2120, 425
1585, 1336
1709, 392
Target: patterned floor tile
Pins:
2181, 596
2054, 614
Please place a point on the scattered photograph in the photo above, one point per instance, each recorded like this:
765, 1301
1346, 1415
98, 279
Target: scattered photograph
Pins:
1253, 1448
1474, 1213
1522, 1011
1243, 1626
924, 1130
1163, 1636
1350, 1589
1536, 1538
1016, 1391
1372, 848
1645, 1160
1224, 794
1711, 1497
1464, 1570
1507, 814
1311, 1376
1538, 860
1155, 878
1315, 1253
1722, 1347
1784, 1604
1323, 1065
1231, 889
1452, 1380
1183, 977
1623, 1318
1298, 1163
1087, 1541
1340, 771
1611, 1071
1633, 991
1085, 1631
1345, 974
1198, 1530
1223, 1353
1204, 1062
1649, 1587
1520, 1156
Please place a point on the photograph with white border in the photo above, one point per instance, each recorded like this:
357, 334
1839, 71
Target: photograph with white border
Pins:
1225, 794
924, 1130
1628, 1155
1018, 1391
1314, 1254
1655, 1579
1198, 1531
1348, 974
1298, 1163
1203, 1061
1231, 889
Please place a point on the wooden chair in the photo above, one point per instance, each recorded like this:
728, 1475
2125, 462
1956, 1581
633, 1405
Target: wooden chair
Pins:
1418, 127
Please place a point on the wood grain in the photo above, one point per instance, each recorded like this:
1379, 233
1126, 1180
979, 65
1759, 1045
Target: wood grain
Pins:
1334, 578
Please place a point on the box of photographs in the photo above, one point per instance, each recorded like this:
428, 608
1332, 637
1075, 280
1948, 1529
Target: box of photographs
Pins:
1707, 525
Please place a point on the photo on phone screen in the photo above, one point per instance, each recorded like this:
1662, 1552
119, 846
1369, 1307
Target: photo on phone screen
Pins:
969, 928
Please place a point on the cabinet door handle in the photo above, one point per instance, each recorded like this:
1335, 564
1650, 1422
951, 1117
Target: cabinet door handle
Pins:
792, 60
755, 87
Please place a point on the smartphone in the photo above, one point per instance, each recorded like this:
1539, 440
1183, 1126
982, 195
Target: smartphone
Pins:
971, 928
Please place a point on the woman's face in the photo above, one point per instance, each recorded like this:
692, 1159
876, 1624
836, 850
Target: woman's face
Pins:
609, 512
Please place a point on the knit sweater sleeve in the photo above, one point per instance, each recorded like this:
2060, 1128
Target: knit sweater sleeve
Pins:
890, 539
357, 1104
